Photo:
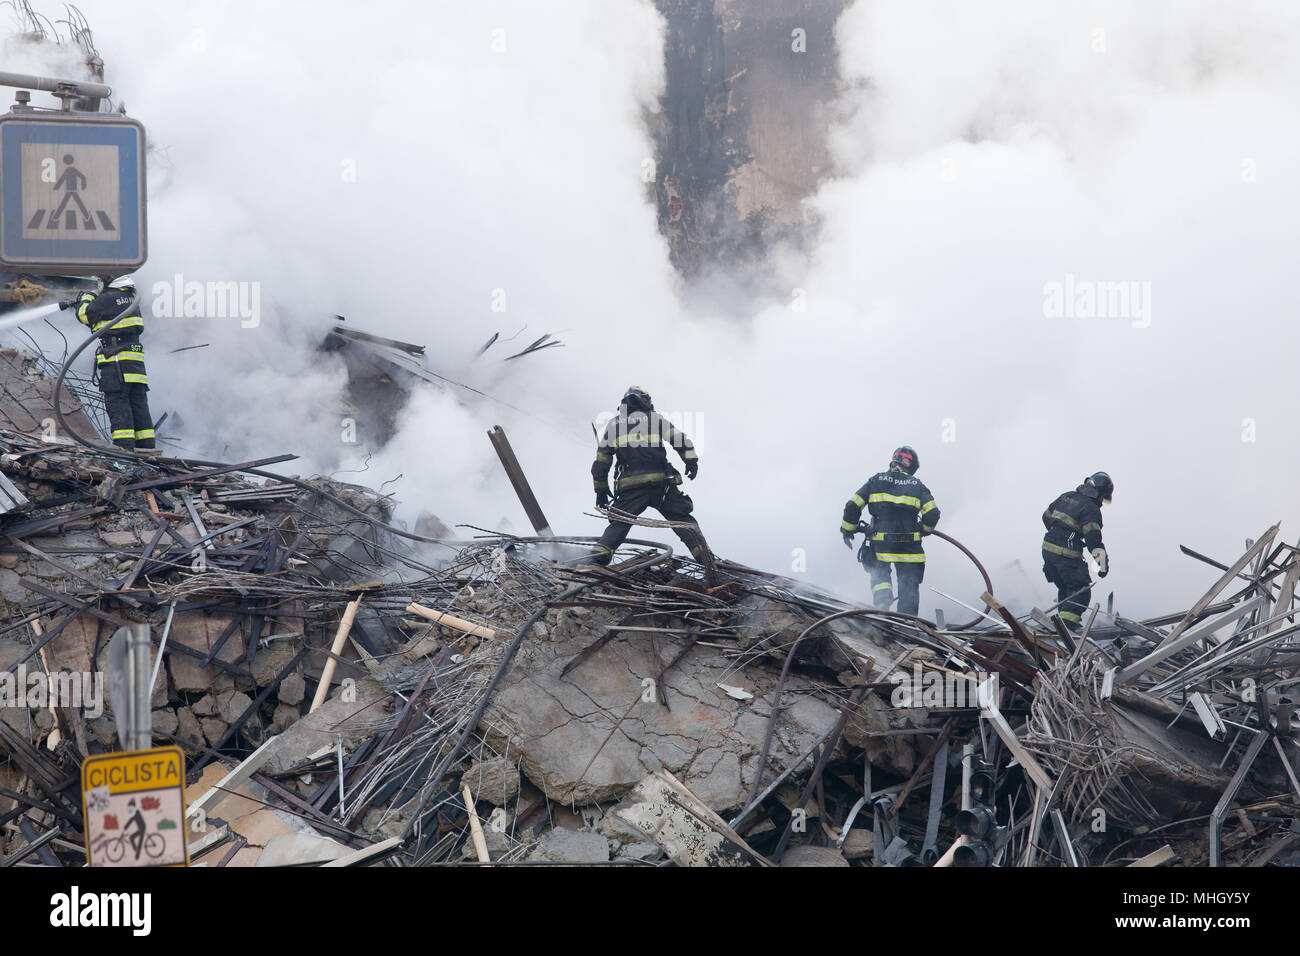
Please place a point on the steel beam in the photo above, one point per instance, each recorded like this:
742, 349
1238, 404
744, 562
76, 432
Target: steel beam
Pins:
516, 475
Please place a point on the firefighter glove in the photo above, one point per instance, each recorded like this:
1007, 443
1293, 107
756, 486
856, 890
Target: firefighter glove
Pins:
1103, 563
692, 468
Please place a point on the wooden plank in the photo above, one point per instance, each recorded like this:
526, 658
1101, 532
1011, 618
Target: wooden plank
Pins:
1027, 640
475, 828
518, 481
455, 623
340, 638
366, 853
1155, 858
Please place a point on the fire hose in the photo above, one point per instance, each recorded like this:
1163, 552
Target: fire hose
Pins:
988, 584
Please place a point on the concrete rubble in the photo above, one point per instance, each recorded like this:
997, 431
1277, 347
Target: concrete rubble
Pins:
349, 693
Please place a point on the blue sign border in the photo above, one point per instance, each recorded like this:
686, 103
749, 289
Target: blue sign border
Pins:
127, 137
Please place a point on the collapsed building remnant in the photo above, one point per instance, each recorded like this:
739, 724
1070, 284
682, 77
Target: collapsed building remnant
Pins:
348, 693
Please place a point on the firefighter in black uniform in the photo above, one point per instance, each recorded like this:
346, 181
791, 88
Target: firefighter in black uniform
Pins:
1073, 522
902, 512
119, 363
637, 437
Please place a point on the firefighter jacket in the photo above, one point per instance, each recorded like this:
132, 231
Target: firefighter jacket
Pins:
901, 508
121, 345
638, 441
1073, 520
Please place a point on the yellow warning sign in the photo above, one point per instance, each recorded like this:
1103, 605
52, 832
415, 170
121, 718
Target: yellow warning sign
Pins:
134, 808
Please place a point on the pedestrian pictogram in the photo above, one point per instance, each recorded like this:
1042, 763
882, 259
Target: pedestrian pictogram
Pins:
72, 181
134, 808
72, 193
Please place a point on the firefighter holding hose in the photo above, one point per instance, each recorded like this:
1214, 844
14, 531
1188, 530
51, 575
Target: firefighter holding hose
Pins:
902, 512
119, 362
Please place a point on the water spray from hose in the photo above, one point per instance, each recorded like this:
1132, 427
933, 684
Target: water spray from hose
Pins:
23, 316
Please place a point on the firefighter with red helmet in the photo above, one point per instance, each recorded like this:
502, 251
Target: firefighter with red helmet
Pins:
902, 512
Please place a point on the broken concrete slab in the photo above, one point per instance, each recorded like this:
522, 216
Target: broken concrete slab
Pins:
571, 846
300, 849
813, 856
591, 735
355, 714
660, 809
292, 690
495, 780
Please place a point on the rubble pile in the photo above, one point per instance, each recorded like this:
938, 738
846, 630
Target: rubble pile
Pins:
444, 664
348, 693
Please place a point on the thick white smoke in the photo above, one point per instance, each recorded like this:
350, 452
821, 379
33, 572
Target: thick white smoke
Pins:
986, 150
997, 148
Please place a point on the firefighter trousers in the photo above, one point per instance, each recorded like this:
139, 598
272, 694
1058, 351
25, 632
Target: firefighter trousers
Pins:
1070, 575
127, 405
904, 552
664, 498
910, 574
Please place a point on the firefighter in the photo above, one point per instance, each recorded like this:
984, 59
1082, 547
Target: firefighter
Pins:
1073, 523
119, 363
638, 438
902, 512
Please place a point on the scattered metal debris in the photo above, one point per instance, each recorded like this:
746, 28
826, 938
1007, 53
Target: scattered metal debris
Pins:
349, 693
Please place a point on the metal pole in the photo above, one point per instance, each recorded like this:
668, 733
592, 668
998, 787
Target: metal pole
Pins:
1216, 818
141, 735
516, 475
47, 85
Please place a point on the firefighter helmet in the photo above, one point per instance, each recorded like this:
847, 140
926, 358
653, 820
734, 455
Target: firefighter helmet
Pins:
1105, 487
637, 397
125, 283
906, 459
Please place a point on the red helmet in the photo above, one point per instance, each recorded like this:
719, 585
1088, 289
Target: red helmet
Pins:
906, 459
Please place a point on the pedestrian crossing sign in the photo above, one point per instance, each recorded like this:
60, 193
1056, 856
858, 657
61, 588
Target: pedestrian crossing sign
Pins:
72, 193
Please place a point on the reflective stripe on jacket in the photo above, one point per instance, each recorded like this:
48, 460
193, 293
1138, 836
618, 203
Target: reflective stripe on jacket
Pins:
901, 508
637, 441
1073, 523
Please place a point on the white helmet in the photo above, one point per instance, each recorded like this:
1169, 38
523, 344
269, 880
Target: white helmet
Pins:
126, 283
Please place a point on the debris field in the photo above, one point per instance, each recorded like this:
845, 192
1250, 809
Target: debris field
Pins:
348, 693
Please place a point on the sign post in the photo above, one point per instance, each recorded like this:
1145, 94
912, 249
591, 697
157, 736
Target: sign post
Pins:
72, 193
130, 685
